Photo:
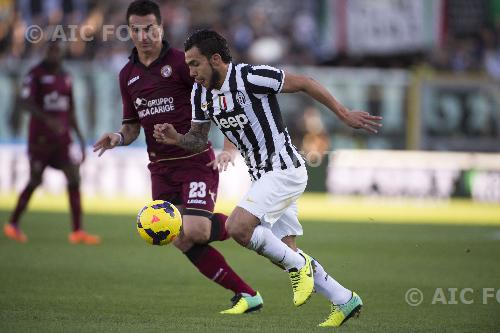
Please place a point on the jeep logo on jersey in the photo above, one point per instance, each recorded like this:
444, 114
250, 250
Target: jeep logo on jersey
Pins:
231, 122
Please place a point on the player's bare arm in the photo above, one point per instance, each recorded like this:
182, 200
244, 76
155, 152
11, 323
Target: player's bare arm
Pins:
127, 135
226, 156
195, 140
355, 119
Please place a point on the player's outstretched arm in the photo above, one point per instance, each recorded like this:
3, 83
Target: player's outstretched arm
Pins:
355, 119
126, 136
195, 140
226, 156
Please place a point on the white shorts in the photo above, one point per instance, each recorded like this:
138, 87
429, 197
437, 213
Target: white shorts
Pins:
273, 200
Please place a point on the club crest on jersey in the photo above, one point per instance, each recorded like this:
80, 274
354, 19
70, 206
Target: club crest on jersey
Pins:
240, 98
166, 71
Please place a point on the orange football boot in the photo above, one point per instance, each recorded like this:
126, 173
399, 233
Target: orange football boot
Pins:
81, 237
14, 233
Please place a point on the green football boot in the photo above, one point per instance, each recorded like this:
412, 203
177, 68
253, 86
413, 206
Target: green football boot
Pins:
343, 312
245, 304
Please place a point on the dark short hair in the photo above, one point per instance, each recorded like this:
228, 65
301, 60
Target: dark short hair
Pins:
143, 8
209, 43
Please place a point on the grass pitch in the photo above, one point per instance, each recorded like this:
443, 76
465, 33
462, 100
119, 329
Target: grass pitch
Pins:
126, 285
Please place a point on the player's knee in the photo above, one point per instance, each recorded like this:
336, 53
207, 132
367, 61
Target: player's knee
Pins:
196, 229
196, 236
290, 242
72, 174
240, 225
73, 180
232, 229
183, 243
35, 180
237, 232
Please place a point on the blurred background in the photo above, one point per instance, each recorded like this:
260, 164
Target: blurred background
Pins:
431, 68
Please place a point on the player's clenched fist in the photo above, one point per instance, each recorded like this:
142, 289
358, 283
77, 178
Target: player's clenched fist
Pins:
107, 141
166, 134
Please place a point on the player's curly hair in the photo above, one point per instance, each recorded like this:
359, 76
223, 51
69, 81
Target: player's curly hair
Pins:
143, 8
209, 43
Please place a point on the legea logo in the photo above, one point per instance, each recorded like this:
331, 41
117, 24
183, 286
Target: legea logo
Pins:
236, 121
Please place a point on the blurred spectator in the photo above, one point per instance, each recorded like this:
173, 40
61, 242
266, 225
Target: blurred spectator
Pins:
310, 134
491, 54
6, 23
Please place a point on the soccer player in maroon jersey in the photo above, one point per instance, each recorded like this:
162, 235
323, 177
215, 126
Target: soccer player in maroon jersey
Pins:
156, 87
47, 94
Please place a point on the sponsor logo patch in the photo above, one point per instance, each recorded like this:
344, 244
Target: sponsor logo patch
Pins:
238, 121
154, 106
132, 80
140, 102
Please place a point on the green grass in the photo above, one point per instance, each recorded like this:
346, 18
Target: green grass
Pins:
126, 285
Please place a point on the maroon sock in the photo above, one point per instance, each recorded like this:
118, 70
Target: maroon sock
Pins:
76, 207
212, 264
22, 202
218, 231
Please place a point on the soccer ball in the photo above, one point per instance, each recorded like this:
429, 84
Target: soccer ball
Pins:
159, 222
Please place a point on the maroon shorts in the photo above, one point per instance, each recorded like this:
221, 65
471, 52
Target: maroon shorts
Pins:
54, 155
188, 182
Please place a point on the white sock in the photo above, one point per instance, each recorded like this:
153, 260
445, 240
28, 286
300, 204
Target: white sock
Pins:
264, 242
328, 286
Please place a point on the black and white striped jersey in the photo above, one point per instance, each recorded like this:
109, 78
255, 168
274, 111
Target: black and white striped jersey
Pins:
246, 110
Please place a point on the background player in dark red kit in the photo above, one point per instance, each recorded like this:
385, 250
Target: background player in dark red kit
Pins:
156, 87
47, 94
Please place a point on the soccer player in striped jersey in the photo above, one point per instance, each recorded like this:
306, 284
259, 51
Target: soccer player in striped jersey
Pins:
155, 86
241, 100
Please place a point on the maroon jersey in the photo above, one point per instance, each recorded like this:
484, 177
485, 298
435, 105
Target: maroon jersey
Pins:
52, 93
159, 93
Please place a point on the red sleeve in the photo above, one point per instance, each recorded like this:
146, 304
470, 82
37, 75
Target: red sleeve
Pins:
129, 112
